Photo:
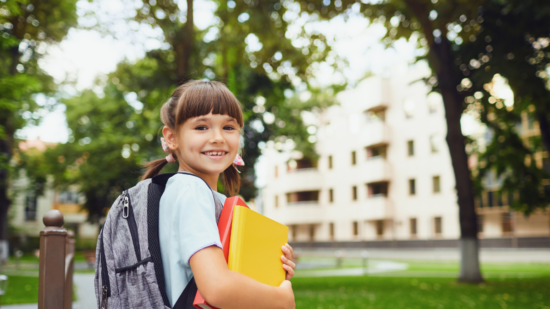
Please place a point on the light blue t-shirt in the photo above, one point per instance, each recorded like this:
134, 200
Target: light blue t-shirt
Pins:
187, 224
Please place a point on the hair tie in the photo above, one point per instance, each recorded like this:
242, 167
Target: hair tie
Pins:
170, 158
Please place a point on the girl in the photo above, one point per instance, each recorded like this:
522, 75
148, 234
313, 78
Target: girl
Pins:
202, 123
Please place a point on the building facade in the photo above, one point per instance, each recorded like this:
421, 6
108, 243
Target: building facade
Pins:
27, 209
384, 171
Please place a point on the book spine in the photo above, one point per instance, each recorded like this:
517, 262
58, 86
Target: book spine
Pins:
235, 241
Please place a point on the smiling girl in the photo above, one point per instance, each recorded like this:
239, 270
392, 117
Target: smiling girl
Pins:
202, 124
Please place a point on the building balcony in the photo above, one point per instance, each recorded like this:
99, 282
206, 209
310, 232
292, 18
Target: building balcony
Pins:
374, 208
300, 213
300, 179
374, 133
376, 169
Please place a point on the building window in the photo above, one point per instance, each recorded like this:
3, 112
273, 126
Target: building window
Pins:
376, 116
353, 158
379, 227
377, 189
30, 207
329, 162
436, 184
331, 230
331, 195
355, 228
437, 226
301, 164
276, 171
434, 143
375, 152
412, 186
413, 226
276, 201
302, 197
354, 193
507, 226
67, 197
312, 232
410, 148
480, 223
294, 231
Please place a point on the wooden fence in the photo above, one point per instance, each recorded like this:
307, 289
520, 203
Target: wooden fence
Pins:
55, 288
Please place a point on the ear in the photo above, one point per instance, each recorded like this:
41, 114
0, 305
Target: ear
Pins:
170, 138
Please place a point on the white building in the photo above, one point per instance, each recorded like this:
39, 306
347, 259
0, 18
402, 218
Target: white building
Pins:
384, 170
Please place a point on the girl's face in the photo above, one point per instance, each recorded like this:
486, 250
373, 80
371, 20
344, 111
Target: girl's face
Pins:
205, 145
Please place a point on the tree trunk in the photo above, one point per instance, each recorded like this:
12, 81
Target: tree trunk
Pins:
447, 82
544, 130
5, 152
184, 46
6, 146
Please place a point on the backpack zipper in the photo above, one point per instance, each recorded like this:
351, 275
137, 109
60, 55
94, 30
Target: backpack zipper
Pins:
132, 225
104, 298
104, 275
125, 207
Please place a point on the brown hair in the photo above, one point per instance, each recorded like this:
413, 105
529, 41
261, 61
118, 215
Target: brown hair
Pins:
193, 99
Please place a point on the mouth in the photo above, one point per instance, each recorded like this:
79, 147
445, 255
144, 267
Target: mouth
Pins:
215, 154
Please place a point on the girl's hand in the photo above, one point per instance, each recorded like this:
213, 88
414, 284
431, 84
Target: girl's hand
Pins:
288, 264
287, 294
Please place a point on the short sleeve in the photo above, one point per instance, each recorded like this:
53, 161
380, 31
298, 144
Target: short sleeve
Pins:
195, 220
199, 229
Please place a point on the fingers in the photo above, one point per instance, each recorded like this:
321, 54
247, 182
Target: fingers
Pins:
289, 271
288, 251
289, 266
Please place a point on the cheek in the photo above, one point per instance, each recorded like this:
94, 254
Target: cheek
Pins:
233, 142
192, 143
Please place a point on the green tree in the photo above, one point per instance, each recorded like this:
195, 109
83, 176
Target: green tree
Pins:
25, 28
266, 72
136, 91
102, 155
438, 26
513, 42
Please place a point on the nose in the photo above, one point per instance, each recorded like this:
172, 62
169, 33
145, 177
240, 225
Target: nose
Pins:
217, 137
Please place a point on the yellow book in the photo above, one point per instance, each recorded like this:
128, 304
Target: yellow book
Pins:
255, 246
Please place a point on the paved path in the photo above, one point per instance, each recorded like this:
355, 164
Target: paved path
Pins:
486, 255
85, 294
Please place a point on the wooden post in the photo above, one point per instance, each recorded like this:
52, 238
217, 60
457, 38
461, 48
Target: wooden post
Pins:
51, 275
69, 267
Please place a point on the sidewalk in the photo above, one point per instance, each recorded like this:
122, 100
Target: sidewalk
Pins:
486, 255
85, 294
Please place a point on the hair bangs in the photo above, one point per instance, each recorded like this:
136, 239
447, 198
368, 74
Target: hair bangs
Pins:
205, 97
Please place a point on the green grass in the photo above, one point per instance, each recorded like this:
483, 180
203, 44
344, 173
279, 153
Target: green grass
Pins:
21, 290
412, 293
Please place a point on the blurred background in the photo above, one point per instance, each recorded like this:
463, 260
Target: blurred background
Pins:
405, 143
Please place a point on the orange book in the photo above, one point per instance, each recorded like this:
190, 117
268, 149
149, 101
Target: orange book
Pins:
224, 228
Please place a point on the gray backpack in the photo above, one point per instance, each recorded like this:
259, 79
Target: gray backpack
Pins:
129, 271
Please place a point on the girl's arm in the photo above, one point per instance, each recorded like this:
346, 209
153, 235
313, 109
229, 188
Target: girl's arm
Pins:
227, 289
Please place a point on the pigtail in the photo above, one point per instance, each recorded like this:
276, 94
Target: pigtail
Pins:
153, 168
231, 180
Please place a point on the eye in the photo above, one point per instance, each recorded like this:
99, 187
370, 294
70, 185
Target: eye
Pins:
229, 128
201, 128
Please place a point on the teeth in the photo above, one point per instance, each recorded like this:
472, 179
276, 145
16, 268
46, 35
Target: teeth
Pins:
215, 153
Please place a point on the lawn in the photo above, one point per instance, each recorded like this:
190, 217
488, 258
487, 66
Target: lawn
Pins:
405, 293
21, 290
